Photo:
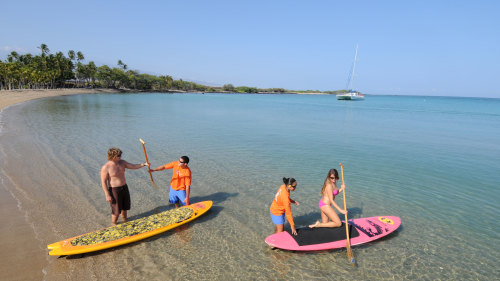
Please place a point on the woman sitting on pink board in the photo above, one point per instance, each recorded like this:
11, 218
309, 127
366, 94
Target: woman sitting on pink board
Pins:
329, 217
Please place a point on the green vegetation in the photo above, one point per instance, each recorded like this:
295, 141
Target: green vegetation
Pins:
244, 89
52, 71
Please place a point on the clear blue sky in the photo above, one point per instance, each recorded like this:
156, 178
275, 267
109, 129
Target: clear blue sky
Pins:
442, 48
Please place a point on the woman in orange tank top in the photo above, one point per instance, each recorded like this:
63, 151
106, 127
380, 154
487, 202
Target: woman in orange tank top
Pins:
281, 206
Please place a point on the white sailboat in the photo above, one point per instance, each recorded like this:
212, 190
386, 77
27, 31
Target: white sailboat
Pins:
351, 95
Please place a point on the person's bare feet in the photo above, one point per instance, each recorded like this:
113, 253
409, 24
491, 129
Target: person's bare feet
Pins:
314, 225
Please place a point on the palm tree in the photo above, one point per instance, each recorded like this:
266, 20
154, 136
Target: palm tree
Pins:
79, 65
45, 50
123, 66
91, 72
80, 56
26, 59
13, 56
3, 75
169, 80
71, 55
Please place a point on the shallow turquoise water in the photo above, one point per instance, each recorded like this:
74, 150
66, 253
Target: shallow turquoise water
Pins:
432, 161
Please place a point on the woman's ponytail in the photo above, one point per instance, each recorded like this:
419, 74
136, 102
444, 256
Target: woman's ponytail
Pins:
288, 181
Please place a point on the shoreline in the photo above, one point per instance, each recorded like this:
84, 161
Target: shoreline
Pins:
24, 262
11, 97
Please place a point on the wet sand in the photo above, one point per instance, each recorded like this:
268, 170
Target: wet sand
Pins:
22, 256
16, 96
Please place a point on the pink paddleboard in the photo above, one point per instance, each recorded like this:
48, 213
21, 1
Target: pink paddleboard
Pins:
361, 231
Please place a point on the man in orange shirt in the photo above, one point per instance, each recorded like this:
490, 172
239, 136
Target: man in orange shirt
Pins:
180, 184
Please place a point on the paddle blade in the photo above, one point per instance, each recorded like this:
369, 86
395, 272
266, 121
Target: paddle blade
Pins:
350, 256
153, 182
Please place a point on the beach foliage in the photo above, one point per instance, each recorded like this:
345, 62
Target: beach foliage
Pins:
53, 71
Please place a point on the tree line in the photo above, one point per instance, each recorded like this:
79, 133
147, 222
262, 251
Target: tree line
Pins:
59, 70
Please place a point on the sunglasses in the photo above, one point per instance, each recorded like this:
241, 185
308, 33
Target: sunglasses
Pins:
333, 178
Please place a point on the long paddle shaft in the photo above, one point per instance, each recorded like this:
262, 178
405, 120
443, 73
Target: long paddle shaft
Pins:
350, 256
149, 168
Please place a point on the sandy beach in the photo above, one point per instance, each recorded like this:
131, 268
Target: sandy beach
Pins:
16, 96
23, 257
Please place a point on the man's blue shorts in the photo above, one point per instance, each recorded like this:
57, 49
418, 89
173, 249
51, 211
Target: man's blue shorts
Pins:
278, 219
177, 196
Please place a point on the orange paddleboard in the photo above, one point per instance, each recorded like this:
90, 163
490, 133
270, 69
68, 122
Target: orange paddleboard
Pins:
130, 231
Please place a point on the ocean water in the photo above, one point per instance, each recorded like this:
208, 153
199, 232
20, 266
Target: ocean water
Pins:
433, 161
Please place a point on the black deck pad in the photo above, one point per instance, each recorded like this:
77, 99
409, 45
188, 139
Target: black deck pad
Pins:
311, 236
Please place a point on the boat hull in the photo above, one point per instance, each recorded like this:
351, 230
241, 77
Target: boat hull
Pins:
350, 97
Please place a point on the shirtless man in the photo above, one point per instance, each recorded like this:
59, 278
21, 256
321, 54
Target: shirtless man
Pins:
114, 184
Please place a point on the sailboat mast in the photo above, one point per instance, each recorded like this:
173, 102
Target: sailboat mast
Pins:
351, 77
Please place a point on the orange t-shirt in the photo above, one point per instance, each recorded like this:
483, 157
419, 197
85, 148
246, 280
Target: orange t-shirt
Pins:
281, 204
181, 176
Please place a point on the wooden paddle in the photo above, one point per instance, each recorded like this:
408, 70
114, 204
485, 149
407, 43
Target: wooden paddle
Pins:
350, 256
149, 168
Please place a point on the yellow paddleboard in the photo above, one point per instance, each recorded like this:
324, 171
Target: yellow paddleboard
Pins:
130, 231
